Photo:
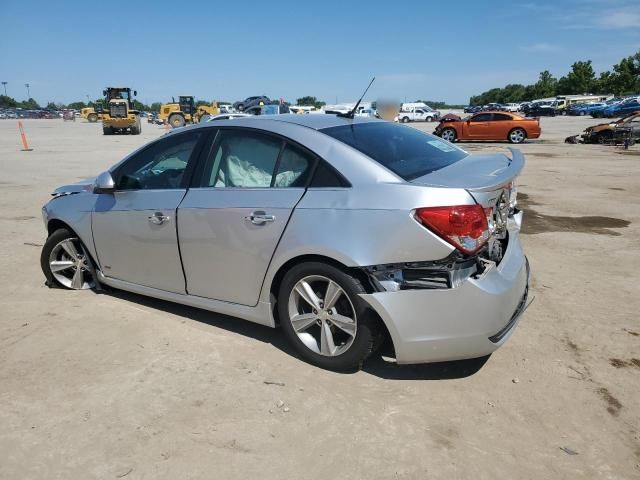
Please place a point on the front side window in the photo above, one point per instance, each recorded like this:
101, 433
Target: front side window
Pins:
242, 159
483, 117
162, 165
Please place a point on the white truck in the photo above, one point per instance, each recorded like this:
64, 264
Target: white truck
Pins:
417, 112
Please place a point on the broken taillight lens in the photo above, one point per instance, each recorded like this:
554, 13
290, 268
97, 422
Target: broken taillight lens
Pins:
463, 226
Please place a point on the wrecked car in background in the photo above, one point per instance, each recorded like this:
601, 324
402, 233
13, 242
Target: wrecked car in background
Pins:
604, 133
488, 126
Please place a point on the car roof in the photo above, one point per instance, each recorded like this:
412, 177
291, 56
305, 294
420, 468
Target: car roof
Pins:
316, 121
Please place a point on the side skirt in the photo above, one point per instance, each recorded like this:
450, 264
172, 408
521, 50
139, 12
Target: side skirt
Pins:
261, 313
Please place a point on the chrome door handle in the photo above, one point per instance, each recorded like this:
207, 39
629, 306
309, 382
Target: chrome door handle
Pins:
158, 218
260, 218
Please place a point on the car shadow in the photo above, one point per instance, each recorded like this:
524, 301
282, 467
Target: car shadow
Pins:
389, 370
377, 365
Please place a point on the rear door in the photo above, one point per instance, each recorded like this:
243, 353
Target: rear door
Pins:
500, 126
232, 218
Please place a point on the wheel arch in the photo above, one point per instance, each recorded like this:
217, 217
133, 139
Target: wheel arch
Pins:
277, 278
56, 224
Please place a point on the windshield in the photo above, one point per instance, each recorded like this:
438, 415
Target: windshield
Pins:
406, 151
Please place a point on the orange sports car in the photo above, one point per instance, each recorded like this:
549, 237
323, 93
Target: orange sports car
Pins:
488, 126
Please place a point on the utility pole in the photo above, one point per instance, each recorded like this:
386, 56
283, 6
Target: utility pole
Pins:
4, 84
88, 101
28, 92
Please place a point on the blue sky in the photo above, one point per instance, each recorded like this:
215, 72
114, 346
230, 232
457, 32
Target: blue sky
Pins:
225, 50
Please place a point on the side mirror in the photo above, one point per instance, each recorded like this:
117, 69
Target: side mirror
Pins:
135, 93
104, 183
104, 93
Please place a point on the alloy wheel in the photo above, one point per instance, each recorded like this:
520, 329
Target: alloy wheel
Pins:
69, 264
516, 136
448, 135
322, 315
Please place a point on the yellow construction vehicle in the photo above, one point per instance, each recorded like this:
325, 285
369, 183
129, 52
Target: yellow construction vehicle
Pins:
119, 114
90, 114
178, 114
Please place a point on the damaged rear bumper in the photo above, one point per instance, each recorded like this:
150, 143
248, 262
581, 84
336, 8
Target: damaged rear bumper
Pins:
470, 320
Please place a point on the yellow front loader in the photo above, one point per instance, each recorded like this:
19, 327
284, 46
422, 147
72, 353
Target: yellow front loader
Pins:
119, 114
184, 111
90, 114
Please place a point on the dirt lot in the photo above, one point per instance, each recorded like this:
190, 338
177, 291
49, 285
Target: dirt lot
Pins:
121, 386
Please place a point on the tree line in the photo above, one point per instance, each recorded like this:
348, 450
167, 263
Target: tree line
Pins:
623, 79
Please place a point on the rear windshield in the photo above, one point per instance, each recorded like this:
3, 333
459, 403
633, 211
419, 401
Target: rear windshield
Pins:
406, 151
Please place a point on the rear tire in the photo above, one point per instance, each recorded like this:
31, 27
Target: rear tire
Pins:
92, 117
517, 136
177, 121
107, 130
405, 120
337, 336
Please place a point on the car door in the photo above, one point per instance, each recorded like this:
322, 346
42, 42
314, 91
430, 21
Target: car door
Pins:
501, 124
232, 218
478, 126
134, 228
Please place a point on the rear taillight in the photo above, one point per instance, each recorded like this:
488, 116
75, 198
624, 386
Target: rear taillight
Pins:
463, 226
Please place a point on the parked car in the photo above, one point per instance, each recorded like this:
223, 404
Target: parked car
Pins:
604, 132
418, 114
226, 116
489, 126
512, 107
259, 203
585, 108
541, 111
629, 105
250, 102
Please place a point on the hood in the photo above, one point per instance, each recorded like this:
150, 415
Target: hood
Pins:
477, 172
450, 117
81, 186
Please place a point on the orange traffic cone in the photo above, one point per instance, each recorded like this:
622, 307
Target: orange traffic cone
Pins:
25, 145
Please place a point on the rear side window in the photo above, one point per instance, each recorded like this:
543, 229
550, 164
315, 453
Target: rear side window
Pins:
406, 151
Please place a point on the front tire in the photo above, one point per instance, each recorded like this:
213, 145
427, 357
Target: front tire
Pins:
449, 134
517, 135
177, 121
136, 129
65, 261
405, 120
92, 117
323, 316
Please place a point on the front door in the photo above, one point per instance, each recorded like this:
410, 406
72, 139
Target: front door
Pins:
478, 126
230, 223
134, 229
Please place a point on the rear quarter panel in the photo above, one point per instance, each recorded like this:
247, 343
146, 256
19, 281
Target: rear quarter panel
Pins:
373, 225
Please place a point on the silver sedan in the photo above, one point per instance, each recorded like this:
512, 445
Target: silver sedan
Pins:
345, 233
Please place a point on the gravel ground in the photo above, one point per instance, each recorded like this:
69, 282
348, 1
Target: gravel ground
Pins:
122, 386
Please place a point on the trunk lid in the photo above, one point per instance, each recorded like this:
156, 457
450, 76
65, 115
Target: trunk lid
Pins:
489, 179
477, 173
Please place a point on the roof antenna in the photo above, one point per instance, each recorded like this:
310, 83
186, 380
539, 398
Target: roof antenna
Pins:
352, 113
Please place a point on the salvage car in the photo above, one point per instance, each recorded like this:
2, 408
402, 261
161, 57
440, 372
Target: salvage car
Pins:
344, 232
605, 132
488, 126
251, 102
